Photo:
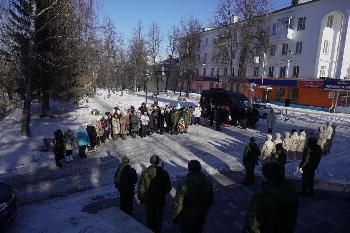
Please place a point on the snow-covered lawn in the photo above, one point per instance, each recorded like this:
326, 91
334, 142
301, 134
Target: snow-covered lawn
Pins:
216, 150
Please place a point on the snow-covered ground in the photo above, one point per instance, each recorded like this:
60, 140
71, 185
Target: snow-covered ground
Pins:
216, 150
87, 212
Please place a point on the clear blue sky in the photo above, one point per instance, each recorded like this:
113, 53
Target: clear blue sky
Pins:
126, 13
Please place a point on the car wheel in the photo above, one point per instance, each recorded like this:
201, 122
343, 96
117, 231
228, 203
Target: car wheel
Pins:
265, 115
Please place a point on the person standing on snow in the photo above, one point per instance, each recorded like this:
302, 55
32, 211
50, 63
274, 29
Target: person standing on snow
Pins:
287, 144
154, 185
125, 179
116, 125
278, 139
322, 137
267, 149
193, 199
124, 120
271, 119
58, 147
83, 141
197, 113
144, 124
250, 159
275, 208
69, 140
294, 144
135, 124
279, 155
187, 118
308, 165
302, 144
329, 132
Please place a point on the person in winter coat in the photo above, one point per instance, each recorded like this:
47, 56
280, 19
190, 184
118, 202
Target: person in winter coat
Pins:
278, 139
135, 124
144, 124
175, 121
125, 179
83, 141
143, 108
267, 149
155, 116
197, 113
150, 128
294, 138
217, 113
250, 159
105, 127
279, 155
287, 144
302, 144
124, 120
91, 130
275, 208
99, 132
309, 163
116, 125
193, 199
168, 123
271, 119
187, 119
58, 147
153, 186
329, 132
69, 141
322, 137
161, 120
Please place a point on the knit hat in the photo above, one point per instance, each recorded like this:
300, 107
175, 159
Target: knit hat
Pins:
154, 159
194, 166
125, 160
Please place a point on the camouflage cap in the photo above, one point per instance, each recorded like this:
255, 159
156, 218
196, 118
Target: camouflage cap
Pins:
194, 165
154, 159
125, 160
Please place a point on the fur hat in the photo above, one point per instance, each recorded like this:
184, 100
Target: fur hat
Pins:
194, 166
125, 160
154, 159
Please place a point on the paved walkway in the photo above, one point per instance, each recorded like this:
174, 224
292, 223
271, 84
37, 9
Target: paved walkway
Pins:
325, 212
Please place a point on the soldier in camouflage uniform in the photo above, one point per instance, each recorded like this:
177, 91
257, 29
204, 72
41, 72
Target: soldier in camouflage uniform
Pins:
125, 179
250, 159
187, 118
193, 199
309, 163
154, 184
175, 121
275, 208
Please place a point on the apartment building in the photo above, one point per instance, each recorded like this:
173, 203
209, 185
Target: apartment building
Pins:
308, 61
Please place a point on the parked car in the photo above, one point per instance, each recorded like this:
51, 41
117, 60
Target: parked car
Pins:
238, 104
264, 109
8, 204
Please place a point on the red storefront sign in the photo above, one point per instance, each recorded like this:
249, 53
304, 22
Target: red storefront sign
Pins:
310, 84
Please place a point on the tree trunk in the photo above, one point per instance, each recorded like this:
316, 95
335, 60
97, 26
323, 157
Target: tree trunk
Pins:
241, 66
25, 119
157, 80
181, 87
45, 104
166, 81
9, 93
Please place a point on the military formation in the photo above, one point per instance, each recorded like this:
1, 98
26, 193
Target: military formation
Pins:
192, 202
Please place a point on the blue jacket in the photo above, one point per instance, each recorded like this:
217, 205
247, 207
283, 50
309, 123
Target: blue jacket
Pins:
82, 138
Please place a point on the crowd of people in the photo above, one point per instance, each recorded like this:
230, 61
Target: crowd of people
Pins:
119, 124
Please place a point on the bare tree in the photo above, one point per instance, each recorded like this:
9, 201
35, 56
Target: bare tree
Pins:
138, 58
154, 39
188, 48
173, 40
242, 33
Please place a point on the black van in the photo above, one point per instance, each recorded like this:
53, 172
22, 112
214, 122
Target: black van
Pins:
241, 110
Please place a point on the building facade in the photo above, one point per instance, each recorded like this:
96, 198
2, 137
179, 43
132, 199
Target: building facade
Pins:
309, 44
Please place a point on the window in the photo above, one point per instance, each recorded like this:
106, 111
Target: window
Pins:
256, 71
233, 72
298, 47
283, 71
204, 71
197, 71
274, 29
323, 72
218, 72
301, 23
294, 95
296, 72
212, 72
205, 58
225, 72
330, 21
273, 50
271, 71
284, 49
280, 92
325, 47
